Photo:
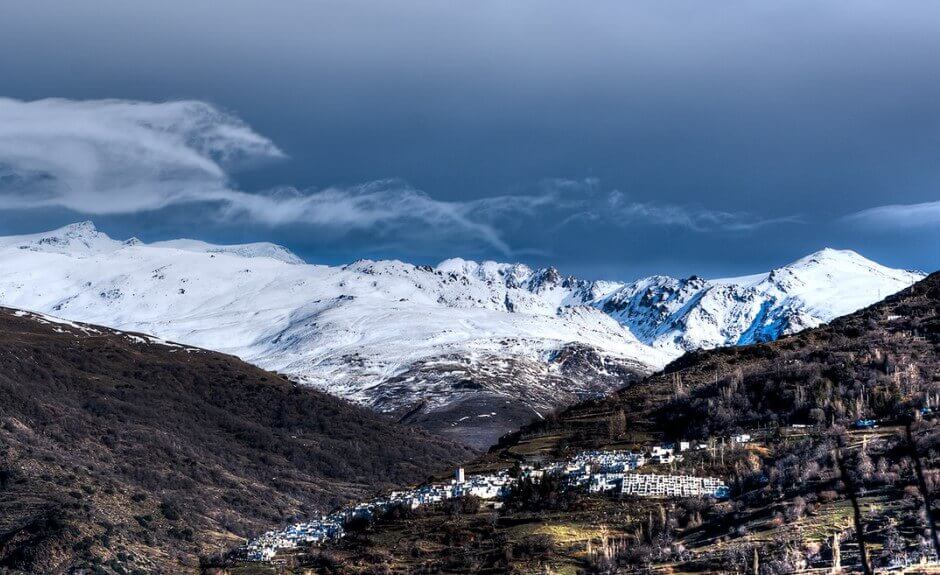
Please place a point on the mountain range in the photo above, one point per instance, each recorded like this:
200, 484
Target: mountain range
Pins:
468, 350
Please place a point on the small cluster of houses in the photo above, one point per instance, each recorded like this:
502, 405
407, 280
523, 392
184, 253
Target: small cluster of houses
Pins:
489, 486
614, 472
592, 463
611, 472
265, 547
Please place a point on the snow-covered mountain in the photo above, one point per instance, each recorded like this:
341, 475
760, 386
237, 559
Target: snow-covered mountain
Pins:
678, 315
468, 349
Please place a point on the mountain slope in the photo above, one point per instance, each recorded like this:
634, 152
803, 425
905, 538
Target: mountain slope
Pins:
119, 448
800, 398
840, 419
467, 349
871, 363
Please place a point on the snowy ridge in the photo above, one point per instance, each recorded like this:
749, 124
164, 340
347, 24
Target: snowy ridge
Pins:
84, 330
402, 338
84, 239
678, 315
252, 250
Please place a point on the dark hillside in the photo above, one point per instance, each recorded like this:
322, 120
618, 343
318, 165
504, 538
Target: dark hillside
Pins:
880, 362
124, 454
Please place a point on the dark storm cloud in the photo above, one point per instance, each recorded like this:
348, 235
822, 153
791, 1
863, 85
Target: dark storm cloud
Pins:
737, 135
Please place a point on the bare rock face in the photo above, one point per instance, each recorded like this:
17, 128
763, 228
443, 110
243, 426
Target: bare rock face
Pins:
476, 402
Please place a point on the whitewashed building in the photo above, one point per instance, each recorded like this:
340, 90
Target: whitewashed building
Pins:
654, 485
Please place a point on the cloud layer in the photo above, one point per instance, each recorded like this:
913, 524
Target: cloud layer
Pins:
122, 157
116, 156
586, 200
898, 216
708, 119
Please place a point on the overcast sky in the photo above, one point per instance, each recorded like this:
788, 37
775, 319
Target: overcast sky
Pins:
611, 139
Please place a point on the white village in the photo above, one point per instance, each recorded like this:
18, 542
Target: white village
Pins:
611, 472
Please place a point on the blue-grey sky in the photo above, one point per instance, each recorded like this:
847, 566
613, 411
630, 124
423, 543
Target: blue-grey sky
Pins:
611, 139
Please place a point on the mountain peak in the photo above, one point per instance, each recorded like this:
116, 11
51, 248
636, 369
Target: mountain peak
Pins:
77, 230
827, 255
512, 275
80, 238
86, 226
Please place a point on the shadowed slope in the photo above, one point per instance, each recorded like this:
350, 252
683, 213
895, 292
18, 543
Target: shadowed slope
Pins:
121, 449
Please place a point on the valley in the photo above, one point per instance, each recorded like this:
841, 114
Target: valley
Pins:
836, 467
344, 287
